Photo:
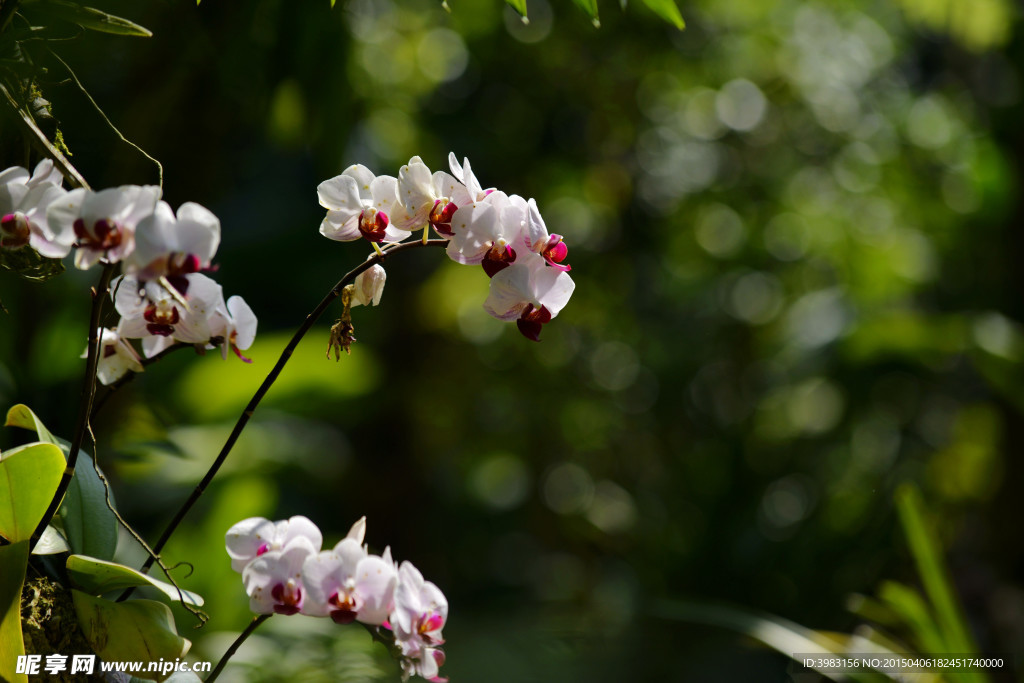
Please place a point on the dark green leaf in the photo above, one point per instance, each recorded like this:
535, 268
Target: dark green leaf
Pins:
91, 18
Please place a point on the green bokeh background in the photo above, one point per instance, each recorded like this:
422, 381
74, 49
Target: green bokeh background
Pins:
795, 233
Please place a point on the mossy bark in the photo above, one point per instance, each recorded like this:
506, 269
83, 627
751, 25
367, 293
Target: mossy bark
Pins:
49, 626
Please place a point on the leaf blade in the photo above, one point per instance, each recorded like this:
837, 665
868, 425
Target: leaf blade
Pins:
92, 18
96, 576
667, 10
29, 476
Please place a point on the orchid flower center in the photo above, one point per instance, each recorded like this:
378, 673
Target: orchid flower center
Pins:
14, 230
161, 318
105, 234
441, 216
373, 224
287, 597
498, 257
532, 320
345, 604
554, 252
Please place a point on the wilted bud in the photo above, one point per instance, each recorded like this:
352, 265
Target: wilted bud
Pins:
369, 285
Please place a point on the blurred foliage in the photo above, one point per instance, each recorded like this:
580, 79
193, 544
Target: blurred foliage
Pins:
794, 230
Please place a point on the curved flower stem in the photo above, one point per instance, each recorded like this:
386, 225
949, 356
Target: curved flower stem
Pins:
243, 419
253, 625
99, 293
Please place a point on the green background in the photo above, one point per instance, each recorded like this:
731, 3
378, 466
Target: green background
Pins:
794, 229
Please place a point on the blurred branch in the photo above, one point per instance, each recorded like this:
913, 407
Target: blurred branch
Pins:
39, 139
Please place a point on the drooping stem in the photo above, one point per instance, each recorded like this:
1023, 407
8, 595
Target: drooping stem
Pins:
243, 419
253, 625
99, 294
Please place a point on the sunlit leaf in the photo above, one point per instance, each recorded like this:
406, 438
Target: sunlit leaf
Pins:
89, 525
13, 563
519, 6
29, 476
667, 10
134, 630
91, 18
925, 548
590, 7
908, 604
97, 577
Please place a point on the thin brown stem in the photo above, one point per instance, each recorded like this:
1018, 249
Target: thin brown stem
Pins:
243, 419
253, 625
99, 294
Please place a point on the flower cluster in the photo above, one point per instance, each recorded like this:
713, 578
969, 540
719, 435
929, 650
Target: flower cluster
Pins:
504, 234
163, 296
285, 572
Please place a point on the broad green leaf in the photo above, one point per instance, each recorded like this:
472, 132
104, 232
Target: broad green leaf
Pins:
926, 551
29, 476
91, 18
134, 630
13, 562
89, 525
22, 416
519, 6
667, 10
590, 7
97, 577
29, 264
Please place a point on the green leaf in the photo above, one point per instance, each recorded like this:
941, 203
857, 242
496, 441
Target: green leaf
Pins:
134, 630
29, 476
915, 614
89, 525
590, 7
27, 263
97, 577
780, 634
519, 6
13, 563
667, 10
92, 18
51, 542
925, 548
22, 416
